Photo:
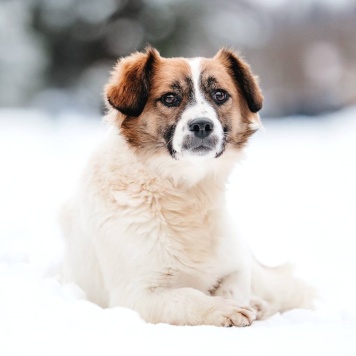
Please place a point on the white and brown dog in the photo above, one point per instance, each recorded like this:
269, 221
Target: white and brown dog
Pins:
148, 226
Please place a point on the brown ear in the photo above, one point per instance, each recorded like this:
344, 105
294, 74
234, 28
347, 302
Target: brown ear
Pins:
244, 78
129, 85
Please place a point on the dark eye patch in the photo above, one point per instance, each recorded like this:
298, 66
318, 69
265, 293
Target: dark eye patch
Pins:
212, 90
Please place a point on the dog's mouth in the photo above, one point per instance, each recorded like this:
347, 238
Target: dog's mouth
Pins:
193, 146
201, 150
191, 143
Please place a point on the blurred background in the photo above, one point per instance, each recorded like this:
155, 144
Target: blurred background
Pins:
56, 55
294, 198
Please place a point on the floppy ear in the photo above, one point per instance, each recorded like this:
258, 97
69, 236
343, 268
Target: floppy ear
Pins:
129, 85
243, 77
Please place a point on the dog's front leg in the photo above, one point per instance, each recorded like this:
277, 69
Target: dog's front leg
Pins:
135, 279
188, 306
235, 286
157, 303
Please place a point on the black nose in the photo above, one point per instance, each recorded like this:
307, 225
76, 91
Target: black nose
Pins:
201, 127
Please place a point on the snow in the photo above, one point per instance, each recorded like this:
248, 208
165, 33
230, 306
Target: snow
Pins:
293, 198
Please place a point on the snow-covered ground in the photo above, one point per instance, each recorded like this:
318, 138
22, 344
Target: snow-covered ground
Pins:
293, 198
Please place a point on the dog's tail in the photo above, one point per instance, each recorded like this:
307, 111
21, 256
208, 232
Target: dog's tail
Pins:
277, 289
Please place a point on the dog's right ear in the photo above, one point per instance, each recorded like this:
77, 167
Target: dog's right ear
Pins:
129, 85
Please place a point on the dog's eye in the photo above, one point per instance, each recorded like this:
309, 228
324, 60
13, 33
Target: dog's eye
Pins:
220, 96
170, 99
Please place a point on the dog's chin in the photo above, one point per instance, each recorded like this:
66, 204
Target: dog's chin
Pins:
198, 153
200, 150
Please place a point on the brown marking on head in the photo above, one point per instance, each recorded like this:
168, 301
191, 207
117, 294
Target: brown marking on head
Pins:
243, 77
135, 90
230, 73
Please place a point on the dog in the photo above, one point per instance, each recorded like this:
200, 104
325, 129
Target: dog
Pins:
148, 228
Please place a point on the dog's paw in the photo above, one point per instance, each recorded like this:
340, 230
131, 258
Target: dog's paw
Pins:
227, 313
261, 307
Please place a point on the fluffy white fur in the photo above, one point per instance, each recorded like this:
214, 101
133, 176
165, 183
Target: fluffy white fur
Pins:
152, 234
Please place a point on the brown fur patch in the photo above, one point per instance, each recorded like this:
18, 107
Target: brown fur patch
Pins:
244, 78
149, 129
235, 115
130, 82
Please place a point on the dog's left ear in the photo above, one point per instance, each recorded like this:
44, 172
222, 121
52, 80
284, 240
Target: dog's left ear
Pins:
243, 77
129, 85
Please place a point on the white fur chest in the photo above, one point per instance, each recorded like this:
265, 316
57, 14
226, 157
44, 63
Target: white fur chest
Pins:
173, 234
181, 223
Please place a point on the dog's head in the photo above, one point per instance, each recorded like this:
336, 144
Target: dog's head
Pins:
187, 109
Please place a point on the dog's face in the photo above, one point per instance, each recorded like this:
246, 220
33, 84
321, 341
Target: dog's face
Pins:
187, 108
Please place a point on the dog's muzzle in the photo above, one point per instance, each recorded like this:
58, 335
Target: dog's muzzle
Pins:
201, 138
